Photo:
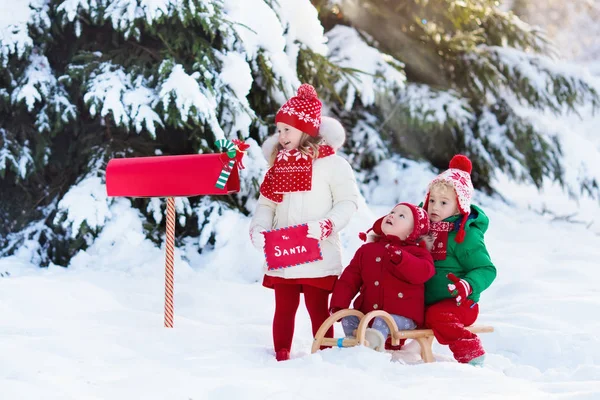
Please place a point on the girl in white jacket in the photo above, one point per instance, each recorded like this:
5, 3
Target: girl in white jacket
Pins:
306, 184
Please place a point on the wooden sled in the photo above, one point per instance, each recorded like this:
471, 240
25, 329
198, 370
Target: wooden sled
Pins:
422, 336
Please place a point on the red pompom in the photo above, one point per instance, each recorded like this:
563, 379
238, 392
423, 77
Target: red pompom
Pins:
362, 236
461, 162
307, 92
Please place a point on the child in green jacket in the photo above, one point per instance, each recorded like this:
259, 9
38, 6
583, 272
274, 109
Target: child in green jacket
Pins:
462, 263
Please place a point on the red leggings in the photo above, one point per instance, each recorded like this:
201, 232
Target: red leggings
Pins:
448, 321
287, 300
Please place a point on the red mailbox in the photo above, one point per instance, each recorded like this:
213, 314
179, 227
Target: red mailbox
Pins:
170, 176
176, 176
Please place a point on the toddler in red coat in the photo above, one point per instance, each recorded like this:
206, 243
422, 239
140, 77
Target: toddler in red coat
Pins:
389, 274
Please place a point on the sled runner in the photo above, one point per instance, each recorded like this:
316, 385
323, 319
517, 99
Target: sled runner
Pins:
422, 336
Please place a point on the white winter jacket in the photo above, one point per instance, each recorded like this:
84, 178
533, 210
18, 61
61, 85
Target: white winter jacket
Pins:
333, 195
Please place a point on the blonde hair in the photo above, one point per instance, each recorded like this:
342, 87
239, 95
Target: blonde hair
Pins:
309, 145
442, 186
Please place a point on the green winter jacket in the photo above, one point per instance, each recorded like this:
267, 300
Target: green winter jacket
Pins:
468, 260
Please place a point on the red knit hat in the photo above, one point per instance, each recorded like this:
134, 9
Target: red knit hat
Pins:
303, 111
421, 224
459, 176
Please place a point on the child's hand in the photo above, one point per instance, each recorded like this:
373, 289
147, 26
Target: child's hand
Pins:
258, 239
428, 240
459, 288
320, 229
395, 253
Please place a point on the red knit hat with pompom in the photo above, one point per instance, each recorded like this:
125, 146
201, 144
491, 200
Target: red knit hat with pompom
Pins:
421, 224
459, 175
302, 111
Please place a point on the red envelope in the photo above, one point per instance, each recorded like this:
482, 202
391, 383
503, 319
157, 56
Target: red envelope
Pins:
289, 246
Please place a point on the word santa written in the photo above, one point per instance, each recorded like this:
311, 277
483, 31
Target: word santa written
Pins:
289, 251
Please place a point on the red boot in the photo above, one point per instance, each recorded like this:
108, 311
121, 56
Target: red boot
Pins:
282, 355
389, 346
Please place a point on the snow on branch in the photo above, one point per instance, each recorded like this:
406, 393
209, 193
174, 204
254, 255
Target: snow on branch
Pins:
376, 71
57, 104
425, 104
125, 14
39, 18
85, 203
509, 30
261, 35
515, 138
110, 90
367, 142
13, 155
139, 100
493, 143
233, 86
71, 8
577, 154
36, 84
14, 40
302, 28
180, 93
535, 79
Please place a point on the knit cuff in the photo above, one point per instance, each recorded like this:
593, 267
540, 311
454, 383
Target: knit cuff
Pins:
466, 285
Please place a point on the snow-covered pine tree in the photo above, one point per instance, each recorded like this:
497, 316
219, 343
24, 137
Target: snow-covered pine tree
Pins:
87, 80
574, 26
477, 77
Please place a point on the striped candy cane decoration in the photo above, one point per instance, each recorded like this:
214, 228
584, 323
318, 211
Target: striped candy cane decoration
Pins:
224, 175
226, 171
170, 261
227, 145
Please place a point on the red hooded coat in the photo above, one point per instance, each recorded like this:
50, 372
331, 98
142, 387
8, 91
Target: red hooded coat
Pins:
388, 283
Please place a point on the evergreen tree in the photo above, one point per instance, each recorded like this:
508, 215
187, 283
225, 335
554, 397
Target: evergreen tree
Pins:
474, 76
88, 80
573, 26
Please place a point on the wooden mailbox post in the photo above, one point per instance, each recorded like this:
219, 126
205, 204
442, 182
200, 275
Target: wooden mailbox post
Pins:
176, 176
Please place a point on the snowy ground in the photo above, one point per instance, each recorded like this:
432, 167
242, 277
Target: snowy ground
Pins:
94, 331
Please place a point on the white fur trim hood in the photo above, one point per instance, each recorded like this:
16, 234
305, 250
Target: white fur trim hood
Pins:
331, 130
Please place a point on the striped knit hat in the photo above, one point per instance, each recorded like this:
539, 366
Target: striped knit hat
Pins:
459, 176
302, 111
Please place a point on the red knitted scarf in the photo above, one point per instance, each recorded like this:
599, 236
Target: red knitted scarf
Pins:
291, 172
439, 231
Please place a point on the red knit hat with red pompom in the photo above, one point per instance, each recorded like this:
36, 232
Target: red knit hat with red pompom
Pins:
421, 224
459, 176
302, 111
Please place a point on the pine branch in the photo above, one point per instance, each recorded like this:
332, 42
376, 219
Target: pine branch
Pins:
534, 79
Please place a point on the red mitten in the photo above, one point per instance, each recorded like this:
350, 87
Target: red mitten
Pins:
395, 253
320, 229
333, 310
459, 288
